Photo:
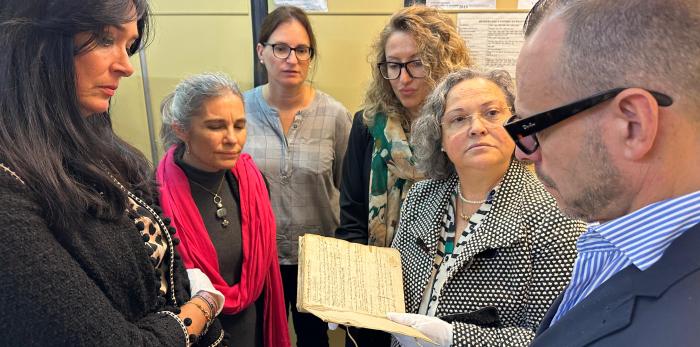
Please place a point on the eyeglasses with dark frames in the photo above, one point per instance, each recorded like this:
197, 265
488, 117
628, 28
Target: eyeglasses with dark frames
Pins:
283, 51
392, 70
524, 131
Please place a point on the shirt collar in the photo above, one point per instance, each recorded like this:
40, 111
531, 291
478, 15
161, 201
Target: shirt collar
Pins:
656, 224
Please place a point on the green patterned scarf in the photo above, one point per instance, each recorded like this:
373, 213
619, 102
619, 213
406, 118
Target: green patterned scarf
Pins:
392, 174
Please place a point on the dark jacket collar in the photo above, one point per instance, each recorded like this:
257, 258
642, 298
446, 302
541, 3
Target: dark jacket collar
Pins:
609, 307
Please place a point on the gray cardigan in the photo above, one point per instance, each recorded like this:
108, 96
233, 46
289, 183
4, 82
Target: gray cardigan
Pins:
302, 167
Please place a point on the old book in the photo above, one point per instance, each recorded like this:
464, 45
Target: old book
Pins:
351, 284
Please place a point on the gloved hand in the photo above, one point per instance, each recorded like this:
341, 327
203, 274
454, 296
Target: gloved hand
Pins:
409, 341
332, 326
200, 281
434, 328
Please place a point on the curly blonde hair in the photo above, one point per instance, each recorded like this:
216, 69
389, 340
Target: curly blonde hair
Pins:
440, 47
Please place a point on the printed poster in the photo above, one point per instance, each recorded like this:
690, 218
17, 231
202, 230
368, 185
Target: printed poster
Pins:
494, 39
306, 5
462, 4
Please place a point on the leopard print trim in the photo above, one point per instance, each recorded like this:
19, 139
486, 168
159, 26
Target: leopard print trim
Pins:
164, 231
11, 173
153, 238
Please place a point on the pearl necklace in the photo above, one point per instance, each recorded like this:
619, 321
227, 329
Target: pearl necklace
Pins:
465, 200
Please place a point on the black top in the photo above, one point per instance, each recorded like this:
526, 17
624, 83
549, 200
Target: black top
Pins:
245, 327
89, 286
354, 185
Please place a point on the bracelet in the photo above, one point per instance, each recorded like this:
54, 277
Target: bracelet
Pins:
209, 299
182, 325
209, 304
204, 312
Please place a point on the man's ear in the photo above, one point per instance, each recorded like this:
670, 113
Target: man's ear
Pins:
636, 122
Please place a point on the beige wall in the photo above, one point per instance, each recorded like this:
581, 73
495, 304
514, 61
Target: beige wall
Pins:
188, 37
215, 35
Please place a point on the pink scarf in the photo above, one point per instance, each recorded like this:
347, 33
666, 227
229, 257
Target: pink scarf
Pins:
260, 270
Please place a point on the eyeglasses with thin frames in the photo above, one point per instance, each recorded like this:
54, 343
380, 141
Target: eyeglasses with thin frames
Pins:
392, 70
283, 51
524, 130
492, 118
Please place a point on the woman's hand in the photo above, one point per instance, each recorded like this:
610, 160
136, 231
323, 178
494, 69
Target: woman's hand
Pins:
434, 328
200, 282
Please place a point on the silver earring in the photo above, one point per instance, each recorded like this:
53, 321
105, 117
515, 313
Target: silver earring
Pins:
187, 148
261, 62
442, 149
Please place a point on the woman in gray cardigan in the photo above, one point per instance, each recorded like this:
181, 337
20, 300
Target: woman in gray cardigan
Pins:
297, 136
484, 248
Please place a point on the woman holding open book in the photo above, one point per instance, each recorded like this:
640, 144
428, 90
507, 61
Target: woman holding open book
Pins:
484, 248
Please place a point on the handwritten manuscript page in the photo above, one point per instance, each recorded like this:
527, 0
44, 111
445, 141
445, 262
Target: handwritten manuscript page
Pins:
351, 284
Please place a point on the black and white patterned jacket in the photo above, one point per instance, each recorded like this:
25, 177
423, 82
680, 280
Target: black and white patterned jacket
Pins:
518, 261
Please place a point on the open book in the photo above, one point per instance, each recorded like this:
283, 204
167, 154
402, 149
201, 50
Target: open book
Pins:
351, 284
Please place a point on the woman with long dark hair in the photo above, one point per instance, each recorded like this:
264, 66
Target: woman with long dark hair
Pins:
86, 258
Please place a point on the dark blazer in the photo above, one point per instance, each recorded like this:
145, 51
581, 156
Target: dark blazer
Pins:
657, 307
517, 262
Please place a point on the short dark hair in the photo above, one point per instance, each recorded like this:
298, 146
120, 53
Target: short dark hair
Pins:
62, 156
653, 44
285, 14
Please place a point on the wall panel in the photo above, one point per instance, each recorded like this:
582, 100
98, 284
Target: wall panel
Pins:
216, 35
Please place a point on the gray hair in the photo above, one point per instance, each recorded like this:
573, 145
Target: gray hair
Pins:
653, 44
426, 134
187, 99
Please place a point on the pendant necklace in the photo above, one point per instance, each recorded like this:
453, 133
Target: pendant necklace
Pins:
220, 209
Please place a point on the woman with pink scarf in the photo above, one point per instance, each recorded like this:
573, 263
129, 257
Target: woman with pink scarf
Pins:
218, 202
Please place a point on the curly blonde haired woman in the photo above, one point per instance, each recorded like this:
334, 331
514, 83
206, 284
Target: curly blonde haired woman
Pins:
414, 51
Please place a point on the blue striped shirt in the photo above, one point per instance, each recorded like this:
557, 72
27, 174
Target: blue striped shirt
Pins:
639, 238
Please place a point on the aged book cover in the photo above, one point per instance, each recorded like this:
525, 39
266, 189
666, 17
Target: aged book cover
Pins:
351, 284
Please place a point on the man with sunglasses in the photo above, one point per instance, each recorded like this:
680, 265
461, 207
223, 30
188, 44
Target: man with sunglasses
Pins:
608, 110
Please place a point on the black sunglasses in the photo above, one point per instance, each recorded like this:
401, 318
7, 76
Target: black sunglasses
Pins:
523, 131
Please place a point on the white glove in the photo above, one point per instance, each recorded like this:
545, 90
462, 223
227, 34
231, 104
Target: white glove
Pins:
332, 326
434, 328
409, 341
200, 281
